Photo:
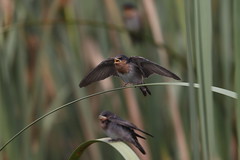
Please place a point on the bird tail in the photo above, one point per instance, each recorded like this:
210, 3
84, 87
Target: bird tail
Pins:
145, 90
138, 145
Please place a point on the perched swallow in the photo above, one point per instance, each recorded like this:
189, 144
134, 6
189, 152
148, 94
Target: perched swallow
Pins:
131, 70
133, 22
120, 130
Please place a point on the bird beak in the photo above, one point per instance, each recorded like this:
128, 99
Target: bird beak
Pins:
116, 60
102, 118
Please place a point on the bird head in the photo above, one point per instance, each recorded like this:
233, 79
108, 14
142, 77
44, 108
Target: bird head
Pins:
105, 115
120, 59
129, 10
103, 118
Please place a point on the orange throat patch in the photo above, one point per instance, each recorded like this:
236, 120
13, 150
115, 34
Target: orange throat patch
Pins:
122, 67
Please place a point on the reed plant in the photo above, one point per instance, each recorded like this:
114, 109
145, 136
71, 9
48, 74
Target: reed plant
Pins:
47, 47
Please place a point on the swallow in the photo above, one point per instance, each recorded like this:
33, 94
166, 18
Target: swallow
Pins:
132, 70
133, 22
120, 130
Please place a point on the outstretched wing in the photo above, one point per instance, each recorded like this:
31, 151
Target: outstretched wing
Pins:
103, 70
127, 124
148, 67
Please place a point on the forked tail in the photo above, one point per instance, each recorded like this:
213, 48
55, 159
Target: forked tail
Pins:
138, 145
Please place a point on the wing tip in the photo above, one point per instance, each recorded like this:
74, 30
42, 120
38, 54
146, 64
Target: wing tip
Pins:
176, 77
149, 134
81, 84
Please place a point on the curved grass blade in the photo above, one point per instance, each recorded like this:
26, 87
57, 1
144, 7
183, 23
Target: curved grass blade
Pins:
214, 89
121, 147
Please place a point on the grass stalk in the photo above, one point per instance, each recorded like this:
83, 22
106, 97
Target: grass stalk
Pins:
204, 69
236, 21
202, 115
217, 90
227, 57
192, 97
54, 110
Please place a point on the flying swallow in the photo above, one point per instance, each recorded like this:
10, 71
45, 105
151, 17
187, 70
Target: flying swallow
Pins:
132, 70
120, 130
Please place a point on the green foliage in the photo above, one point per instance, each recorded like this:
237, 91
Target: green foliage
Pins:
46, 47
121, 147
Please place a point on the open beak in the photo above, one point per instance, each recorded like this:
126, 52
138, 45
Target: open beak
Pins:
102, 118
116, 60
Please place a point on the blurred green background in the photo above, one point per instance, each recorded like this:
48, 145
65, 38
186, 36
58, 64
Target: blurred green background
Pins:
47, 47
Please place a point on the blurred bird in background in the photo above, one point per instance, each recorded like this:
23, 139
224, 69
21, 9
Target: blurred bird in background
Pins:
133, 22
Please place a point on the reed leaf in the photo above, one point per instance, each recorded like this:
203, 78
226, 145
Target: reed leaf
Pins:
236, 12
192, 97
203, 41
126, 152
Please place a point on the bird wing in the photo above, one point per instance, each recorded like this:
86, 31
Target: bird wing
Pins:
148, 67
127, 124
103, 70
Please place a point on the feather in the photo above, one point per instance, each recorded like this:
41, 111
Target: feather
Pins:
148, 67
103, 70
